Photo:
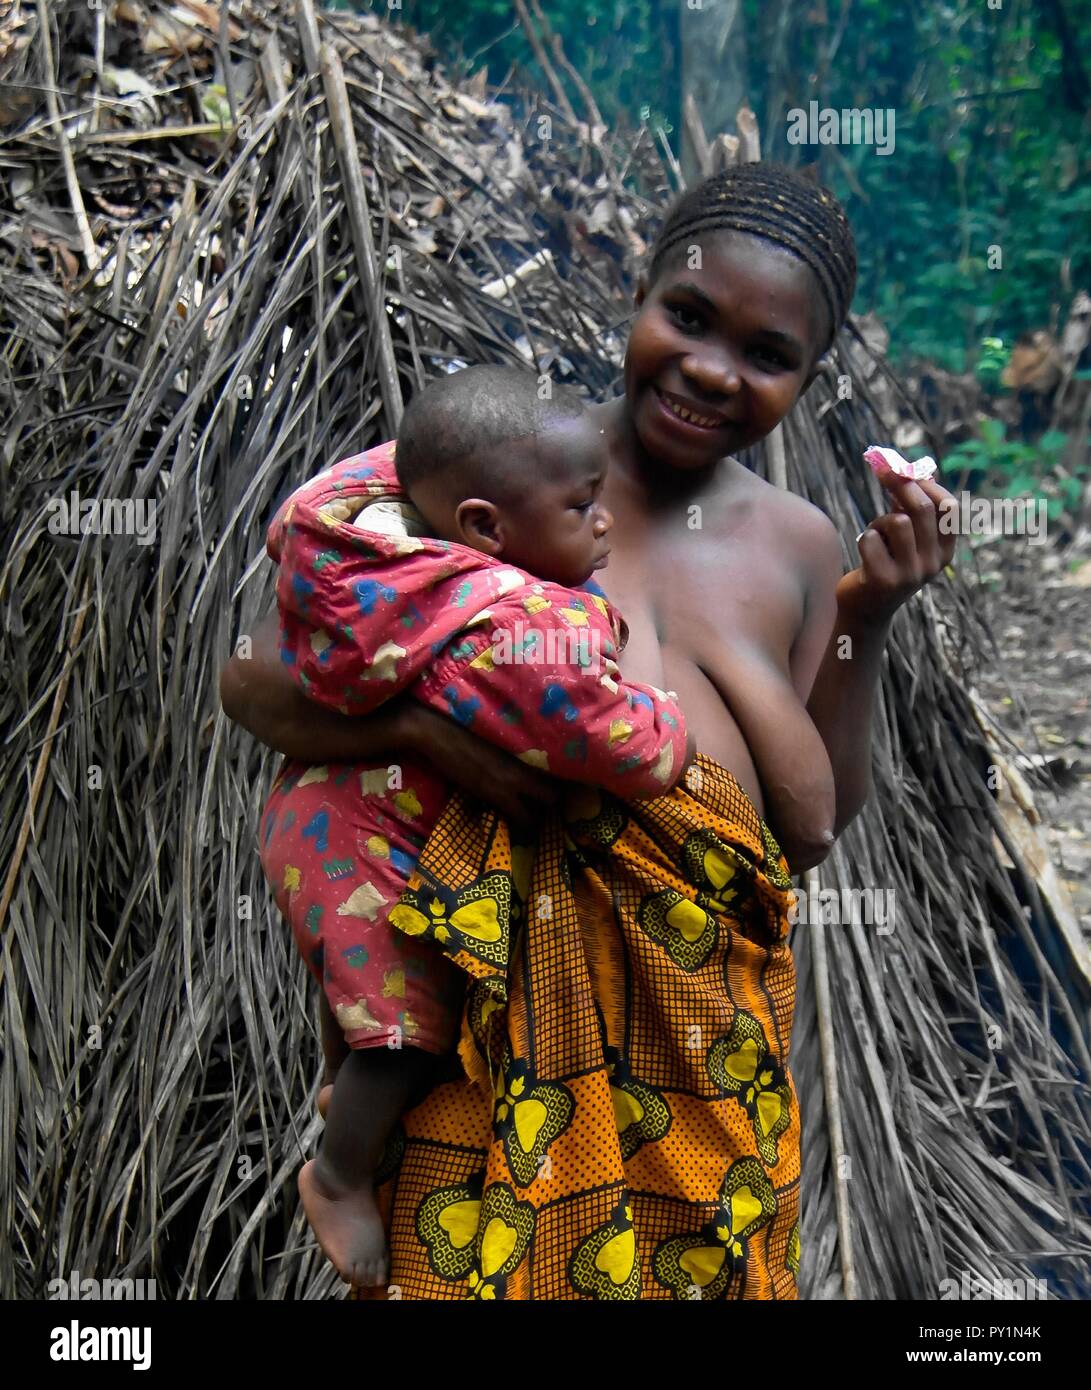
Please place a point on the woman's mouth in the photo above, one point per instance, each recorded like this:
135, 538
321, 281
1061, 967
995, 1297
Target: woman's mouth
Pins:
690, 415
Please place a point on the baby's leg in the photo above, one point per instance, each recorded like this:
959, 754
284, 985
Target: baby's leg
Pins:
334, 1052
373, 1088
337, 852
334, 1047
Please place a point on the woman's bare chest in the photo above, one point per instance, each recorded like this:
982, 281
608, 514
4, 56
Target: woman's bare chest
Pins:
712, 601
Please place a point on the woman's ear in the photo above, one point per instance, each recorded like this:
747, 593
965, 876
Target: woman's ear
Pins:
478, 525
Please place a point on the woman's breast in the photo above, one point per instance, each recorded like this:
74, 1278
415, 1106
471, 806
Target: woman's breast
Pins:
710, 719
663, 652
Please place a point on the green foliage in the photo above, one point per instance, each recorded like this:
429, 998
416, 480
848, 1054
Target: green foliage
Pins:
625, 50
993, 465
963, 229
992, 358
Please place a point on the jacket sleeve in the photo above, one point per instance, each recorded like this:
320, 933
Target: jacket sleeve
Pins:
539, 679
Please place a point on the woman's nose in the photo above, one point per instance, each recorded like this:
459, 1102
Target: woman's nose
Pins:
714, 374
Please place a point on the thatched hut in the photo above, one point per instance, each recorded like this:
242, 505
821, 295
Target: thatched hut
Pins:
232, 240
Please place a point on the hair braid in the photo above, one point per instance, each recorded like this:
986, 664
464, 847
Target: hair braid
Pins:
781, 206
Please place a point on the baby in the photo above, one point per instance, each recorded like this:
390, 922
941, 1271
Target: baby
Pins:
476, 544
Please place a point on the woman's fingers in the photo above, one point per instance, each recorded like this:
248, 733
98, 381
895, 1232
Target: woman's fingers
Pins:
518, 792
916, 504
904, 549
899, 535
946, 505
879, 566
934, 513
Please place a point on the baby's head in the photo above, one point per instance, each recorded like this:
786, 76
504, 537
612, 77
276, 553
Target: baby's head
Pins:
750, 280
491, 465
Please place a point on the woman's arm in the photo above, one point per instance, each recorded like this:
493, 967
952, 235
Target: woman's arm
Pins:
259, 693
797, 780
899, 553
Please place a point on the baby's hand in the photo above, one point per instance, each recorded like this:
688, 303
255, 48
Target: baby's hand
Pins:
901, 551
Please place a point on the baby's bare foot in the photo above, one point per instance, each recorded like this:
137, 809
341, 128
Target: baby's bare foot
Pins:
347, 1225
324, 1093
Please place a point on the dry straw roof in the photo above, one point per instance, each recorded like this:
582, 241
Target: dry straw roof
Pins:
201, 305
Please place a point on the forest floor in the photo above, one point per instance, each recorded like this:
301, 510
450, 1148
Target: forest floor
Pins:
1037, 600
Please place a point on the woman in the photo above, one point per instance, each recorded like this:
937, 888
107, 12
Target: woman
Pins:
641, 1138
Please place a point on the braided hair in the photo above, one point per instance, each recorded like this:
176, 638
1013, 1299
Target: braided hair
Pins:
781, 206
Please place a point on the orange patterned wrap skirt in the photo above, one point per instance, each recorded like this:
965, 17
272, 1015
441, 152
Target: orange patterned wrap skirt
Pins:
626, 1127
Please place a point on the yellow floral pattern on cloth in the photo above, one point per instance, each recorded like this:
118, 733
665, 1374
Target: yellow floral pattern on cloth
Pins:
447, 1223
791, 1259
710, 1264
595, 816
615, 1078
528, 1116
715, 868
641, 1113
471, 923
681, 926
476, 1236
722, 886
775, 870
485, 1002
605, 1263
742, 1065
505, 1231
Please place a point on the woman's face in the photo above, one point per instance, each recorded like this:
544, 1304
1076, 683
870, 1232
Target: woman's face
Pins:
724, 342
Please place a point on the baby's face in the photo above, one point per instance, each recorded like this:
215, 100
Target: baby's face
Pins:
558, 527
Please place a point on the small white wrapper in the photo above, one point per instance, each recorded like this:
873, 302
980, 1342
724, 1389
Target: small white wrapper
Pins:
878, 456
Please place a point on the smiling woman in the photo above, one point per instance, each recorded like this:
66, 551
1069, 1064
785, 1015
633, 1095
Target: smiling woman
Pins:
750, 279
744, 334
644, 1136
782, 208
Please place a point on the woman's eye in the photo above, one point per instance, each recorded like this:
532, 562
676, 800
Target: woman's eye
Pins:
685, 317
769, 357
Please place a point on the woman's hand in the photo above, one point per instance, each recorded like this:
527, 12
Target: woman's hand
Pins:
258, 692
901, 551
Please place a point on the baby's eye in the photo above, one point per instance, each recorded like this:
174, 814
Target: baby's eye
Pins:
585, 506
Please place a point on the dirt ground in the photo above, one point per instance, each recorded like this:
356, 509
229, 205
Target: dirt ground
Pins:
1037, 599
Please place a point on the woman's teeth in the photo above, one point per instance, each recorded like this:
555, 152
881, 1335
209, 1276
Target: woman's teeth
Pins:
691, 416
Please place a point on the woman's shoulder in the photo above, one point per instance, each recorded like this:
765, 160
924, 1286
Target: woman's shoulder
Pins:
802, 533
790, 512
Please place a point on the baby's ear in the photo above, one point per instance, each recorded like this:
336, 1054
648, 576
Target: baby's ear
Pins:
477, 523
